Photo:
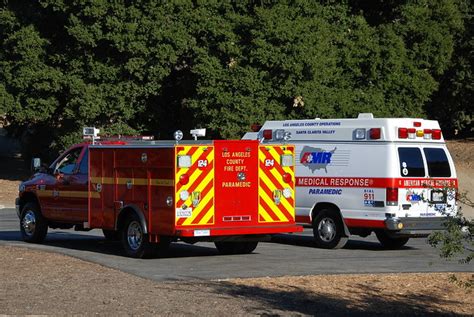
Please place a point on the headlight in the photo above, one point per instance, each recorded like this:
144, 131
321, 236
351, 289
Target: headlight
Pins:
184, 195
184, 161
287, 160
287, 192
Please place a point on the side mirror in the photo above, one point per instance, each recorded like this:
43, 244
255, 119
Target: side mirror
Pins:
35, 164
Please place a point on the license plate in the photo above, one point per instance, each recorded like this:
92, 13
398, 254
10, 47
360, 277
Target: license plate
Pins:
438, 196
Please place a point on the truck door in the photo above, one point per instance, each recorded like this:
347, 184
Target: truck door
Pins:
70, 189
236, 182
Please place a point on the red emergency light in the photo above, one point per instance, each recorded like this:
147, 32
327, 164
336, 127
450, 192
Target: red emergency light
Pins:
436, 134
267, 134
402, 133
417, 124
184, 179
255, 127
375, 133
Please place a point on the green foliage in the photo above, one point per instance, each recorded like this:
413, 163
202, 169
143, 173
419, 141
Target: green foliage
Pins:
151, 67
458, 238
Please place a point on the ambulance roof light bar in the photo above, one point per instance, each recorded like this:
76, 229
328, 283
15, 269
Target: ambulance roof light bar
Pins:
90, 133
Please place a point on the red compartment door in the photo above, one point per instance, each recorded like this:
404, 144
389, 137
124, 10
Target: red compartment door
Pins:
236, 183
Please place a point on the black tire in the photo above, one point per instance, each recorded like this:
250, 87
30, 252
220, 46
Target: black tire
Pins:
230, 247
111, 235
328, 230
389, 242
134, 241
33, 226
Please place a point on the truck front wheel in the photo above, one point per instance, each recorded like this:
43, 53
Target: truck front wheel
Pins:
134, 240
389, 242
328, 230
33, 226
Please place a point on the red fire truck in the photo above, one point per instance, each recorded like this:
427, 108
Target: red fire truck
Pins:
148, 193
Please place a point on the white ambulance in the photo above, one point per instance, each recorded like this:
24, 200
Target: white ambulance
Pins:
394, 177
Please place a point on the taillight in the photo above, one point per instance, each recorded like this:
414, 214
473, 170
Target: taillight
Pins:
287, 178
436, 134
392, 197
402, 133
267, 134
375, 133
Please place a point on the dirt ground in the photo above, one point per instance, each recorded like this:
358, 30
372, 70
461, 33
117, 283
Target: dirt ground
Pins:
463, 156
34, 282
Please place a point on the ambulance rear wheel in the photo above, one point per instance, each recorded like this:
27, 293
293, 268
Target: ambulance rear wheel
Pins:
134, 240
229, 247
33, 226
389, 242
328, 230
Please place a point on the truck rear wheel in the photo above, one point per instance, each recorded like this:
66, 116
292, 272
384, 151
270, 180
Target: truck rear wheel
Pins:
33, 226
134, 240
389, 242
230, 247
328, 230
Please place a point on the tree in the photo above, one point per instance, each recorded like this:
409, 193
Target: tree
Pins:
142, 67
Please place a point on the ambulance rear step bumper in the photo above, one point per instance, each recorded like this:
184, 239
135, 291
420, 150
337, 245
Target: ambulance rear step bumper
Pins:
414, 226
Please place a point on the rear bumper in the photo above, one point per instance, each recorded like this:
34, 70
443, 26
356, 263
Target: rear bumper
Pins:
414, 227
236, 231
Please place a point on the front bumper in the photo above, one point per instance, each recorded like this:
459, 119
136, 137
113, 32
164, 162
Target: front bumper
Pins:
414, 226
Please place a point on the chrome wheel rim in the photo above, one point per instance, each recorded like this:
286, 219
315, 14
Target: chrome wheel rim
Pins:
134, 235
327, 229
29, 223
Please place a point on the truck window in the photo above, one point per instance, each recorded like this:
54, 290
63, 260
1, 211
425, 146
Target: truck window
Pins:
68, 162
83, 165
438, 165
411, 162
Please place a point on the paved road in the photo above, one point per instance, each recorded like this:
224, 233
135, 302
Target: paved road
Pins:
291, 255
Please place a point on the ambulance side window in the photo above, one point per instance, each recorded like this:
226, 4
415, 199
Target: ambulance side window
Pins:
83, 166
438, 164
411, 162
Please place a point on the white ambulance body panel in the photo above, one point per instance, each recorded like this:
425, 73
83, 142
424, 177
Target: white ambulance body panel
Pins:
360, 165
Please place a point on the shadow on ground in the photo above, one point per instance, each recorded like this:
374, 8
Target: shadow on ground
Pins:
97, 244
307, 241
367, 301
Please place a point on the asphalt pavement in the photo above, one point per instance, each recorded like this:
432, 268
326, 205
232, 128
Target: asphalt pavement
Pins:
286, 255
